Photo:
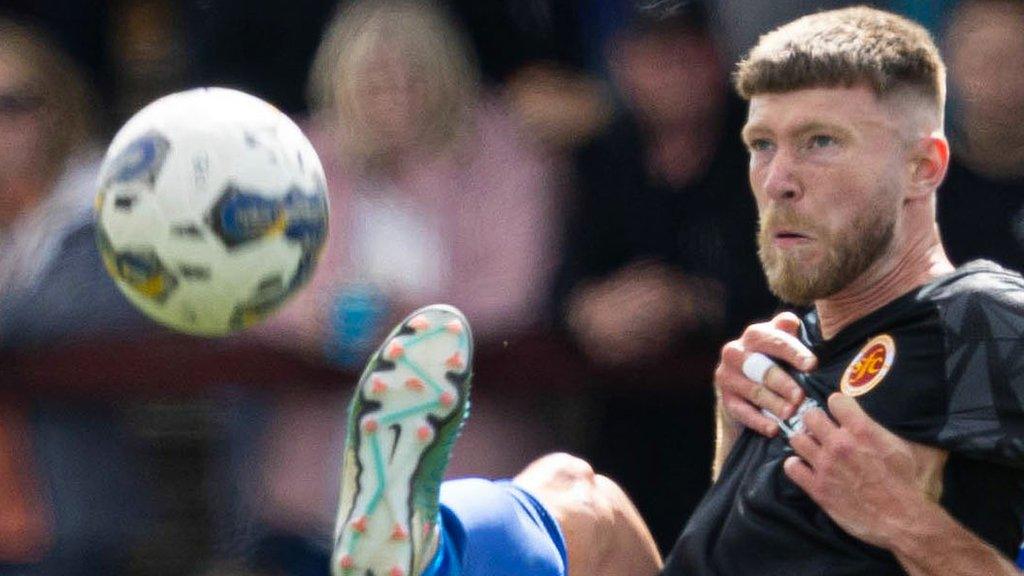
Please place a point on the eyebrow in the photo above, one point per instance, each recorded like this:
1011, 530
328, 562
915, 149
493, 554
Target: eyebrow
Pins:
751, 131
818, 126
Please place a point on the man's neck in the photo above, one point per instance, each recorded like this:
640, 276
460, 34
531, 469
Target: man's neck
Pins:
919, 264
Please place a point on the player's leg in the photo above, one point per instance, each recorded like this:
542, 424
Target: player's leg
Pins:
395, 518
497, 529
404, 418
556, 514
603, 531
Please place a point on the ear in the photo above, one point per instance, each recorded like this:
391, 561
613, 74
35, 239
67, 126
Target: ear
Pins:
929, 163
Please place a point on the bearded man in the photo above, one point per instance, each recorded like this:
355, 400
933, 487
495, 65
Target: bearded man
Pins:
887, 438
845, 132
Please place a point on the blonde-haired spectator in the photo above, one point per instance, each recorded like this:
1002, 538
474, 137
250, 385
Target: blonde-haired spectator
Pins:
46, 151
436, 196
436, 193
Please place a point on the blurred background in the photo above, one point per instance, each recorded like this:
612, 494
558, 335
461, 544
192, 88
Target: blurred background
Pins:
574, 179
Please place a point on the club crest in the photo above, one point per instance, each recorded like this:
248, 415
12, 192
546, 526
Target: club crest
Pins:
869, 366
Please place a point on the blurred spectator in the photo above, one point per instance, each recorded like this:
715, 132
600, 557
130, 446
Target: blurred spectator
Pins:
48, 165
510, 36
932, 15
662, 246
533, 52
739, 23
436, 196
981, 205
81, 29
560, 108
66, 495
263, 47
660, 263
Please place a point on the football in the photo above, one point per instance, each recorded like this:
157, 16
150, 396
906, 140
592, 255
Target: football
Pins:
211, 210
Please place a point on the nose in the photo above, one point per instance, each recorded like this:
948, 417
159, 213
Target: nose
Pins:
780, 182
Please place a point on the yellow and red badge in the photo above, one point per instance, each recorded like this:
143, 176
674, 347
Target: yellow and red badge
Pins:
869, 366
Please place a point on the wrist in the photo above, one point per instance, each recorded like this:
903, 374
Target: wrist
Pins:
916, 523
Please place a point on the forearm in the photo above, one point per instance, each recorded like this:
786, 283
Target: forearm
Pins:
935, 544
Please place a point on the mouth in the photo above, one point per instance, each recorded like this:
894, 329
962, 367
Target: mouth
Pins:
787, 238
790, 234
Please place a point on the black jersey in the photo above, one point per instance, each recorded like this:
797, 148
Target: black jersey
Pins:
942, 365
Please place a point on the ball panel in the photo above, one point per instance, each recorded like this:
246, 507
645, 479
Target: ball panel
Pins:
306, 217
146, 275
239, 217
138, 271
139, 161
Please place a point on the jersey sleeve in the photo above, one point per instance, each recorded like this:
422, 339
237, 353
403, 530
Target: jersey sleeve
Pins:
983, 324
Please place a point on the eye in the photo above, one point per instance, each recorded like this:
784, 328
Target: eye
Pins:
759, 145
821, 141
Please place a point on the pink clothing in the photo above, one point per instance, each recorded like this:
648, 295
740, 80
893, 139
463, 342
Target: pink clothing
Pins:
475, 227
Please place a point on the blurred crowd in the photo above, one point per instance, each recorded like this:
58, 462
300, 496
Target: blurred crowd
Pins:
569, 174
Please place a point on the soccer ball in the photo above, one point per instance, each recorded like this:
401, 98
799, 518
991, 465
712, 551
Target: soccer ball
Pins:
212, 210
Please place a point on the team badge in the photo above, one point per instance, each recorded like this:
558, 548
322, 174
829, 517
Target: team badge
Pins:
869, 366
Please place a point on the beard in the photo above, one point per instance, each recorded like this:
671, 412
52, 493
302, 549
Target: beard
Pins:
849, 252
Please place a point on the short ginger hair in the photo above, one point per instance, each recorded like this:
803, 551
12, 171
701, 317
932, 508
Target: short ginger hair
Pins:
845, 48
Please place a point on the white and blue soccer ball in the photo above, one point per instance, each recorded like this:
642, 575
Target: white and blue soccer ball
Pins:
211, 210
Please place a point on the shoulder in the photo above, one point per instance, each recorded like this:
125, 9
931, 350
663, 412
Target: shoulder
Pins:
981, 308
981, 300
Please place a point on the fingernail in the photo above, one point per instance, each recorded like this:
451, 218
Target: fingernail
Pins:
806, 362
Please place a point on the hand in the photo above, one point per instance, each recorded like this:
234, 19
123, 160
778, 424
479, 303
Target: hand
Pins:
867, 479
635, 313
742, 398
559, 107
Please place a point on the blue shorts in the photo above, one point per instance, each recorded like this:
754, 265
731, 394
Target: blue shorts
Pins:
496, 529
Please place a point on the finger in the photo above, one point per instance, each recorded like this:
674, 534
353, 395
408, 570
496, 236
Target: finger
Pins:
778, 344
819, 424
732, 380
763, 397
742, 412
851, 417
756, 369
846, 410
807, 447
757, 394
764, 370
781, 383
756, 365
735, 384
733, 356
787, 322
799, 472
